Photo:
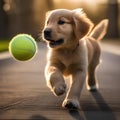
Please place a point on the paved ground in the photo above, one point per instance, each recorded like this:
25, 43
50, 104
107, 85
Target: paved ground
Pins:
24, 95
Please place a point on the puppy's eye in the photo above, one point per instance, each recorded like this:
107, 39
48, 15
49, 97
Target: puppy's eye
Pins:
61, 22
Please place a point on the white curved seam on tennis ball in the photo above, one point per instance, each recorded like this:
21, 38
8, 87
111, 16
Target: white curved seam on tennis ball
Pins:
23, 49
33, 41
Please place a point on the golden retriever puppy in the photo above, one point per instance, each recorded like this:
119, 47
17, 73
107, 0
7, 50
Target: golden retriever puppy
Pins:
73, 51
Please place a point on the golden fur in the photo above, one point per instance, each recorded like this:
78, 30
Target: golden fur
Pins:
73, 51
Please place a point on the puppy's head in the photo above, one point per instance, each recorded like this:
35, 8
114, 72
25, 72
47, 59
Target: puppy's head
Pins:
63, 28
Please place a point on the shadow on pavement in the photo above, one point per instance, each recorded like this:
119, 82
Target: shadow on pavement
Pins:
75, 114
38, 117
103, 111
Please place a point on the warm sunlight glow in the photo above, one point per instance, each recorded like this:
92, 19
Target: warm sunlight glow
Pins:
89, 1
95, 1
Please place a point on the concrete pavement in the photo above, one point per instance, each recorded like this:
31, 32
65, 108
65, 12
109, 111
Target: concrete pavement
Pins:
111, 46
24, 95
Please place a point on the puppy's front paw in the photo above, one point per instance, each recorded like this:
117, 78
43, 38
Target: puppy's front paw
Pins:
71, 104
59, 89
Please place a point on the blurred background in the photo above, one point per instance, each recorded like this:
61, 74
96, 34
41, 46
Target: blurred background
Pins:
28, 16
23, 91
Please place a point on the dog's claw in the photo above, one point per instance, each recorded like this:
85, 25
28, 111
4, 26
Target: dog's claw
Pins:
71, 104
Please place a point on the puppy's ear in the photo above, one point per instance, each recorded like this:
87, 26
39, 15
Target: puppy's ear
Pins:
48, 13
81, 24
47, 16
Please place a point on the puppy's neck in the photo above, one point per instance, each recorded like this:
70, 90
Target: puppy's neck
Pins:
67, 50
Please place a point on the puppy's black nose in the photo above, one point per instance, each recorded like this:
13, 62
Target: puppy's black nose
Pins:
47, 33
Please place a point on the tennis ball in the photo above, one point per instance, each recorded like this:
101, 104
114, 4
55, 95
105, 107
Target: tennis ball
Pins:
23, 47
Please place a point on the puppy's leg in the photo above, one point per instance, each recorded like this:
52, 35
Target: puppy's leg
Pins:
55, 80
92, 84
72, 99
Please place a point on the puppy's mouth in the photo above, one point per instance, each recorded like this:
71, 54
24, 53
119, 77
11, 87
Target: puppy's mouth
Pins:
53, 43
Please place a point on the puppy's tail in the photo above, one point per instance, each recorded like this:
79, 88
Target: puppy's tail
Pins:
100, 30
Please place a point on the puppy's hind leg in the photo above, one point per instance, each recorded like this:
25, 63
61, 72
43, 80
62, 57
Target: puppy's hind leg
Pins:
55, 80
92, 83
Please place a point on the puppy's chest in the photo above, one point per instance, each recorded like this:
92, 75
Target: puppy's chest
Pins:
68, 58
67, 61
70, 61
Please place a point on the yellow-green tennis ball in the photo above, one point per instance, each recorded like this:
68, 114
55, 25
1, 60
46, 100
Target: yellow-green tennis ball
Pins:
23, 47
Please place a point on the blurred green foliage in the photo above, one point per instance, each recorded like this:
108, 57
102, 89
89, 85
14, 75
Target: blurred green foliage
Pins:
4, 45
